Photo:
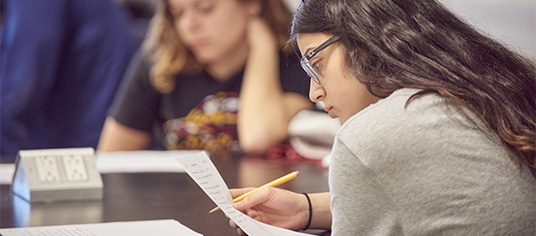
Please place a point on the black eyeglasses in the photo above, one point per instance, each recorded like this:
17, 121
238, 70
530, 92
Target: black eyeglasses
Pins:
304, 61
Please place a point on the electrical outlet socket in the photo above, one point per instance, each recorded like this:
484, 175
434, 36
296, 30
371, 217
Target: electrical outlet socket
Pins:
47, 175
75, 169
47, 168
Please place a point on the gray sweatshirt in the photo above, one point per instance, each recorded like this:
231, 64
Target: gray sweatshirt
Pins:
425, 170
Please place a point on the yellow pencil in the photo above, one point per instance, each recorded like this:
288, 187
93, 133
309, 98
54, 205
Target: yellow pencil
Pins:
274, 183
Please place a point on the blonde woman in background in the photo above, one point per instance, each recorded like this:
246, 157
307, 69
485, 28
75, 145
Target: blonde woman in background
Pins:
203, 61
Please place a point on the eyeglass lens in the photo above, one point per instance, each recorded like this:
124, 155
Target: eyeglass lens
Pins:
304, 61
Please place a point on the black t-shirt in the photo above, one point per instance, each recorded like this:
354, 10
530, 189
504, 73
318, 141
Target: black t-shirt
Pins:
200, 113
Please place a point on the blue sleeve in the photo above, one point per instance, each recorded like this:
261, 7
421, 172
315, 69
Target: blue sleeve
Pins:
61, 62
29, 54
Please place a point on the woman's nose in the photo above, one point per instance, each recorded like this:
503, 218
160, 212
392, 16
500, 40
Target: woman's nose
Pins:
316, 92
189, 21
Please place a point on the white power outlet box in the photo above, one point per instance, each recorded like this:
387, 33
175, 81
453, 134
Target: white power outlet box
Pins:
57, 174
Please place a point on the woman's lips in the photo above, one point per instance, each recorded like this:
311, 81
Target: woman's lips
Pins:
329, 110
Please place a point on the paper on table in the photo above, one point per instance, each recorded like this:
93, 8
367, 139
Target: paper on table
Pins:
204, 173
140, 161
131, 228
123, 162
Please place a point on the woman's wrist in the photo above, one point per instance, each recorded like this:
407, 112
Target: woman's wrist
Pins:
321, 212
309, 215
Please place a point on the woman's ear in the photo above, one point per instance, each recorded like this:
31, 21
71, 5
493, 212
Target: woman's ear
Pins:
254, 7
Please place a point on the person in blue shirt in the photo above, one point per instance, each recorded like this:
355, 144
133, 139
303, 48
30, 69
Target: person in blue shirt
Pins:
60, 65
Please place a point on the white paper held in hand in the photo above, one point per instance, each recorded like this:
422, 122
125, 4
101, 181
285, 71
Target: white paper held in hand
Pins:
204, 173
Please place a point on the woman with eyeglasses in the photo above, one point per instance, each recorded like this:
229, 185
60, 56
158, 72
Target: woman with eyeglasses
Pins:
438, 131
212, 75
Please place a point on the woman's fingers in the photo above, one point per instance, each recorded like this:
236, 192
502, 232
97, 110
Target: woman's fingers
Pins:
253, 200
233, 224
238, 229
235, 192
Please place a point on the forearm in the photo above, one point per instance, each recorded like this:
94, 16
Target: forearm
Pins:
263, 118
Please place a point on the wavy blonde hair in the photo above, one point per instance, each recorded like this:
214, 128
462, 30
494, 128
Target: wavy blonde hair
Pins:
169, 56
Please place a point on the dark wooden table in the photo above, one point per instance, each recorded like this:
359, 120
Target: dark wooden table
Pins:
149, 196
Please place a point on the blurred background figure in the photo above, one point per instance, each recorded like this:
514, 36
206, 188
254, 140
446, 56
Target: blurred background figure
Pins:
139, 13
212, 75
61, 62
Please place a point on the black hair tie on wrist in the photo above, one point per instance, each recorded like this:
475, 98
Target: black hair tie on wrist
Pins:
310, 211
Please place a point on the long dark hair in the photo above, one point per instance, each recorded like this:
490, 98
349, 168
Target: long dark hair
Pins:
393, 44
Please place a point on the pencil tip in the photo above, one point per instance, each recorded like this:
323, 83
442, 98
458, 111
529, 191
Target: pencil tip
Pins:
297, 172
214, 209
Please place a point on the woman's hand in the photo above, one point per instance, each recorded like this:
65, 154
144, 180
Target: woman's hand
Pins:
259, 35
273, 206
